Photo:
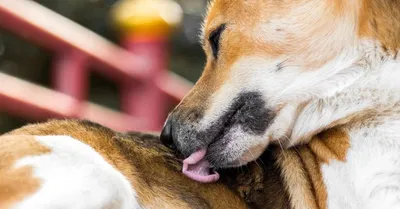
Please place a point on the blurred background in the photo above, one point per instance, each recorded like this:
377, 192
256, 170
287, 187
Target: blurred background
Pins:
22, 58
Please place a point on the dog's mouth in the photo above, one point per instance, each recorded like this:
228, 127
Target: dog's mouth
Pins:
247, 117
198, 168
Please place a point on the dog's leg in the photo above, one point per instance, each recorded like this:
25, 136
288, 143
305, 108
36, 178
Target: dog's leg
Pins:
74, 176
369, 177
386, 196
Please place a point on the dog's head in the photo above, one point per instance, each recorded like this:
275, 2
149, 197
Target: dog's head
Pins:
266, 59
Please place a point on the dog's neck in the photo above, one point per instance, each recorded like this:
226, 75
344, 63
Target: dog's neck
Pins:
373, 92
289, 178
378, 20
259, 183
369, 87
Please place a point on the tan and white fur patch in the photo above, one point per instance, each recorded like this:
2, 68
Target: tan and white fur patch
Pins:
370, 176
73, 175
72, 164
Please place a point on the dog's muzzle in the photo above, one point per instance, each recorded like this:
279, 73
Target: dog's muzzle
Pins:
247, 114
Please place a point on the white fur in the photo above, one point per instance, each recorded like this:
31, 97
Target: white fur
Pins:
370, 178
353, 75
286, 88
74, 176
375, 91
354, 83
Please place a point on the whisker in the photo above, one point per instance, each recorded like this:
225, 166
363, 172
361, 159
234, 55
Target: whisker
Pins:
283, 151
247, 167
294, 147
263, 164
254, 157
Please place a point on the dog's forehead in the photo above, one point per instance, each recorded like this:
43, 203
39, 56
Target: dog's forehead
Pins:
251, 13
231, 12
245, 14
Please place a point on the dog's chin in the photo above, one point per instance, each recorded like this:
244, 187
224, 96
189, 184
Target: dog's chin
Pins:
222, 164
242, 149
238, 148
235, 150
225, 160
280, 131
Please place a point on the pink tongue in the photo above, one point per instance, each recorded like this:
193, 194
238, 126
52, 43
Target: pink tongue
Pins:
198, 168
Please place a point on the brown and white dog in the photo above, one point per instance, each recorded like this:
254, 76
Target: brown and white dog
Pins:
314, 72
281, 72
69, 164
72, 164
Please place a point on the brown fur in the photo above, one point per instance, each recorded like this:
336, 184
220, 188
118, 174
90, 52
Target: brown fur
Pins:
291, 178
296, 180
17, 183
302, 167
259, 183
153, 170
372, 20
278, 180
311, 46
379, 20
238, 39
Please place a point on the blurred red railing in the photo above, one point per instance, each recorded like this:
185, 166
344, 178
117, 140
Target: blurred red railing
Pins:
147, 88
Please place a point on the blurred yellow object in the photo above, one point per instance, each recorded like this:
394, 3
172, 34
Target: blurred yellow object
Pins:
147, 17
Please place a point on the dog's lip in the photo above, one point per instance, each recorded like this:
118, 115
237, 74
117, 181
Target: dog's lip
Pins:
197, 167
198, 157
225, 129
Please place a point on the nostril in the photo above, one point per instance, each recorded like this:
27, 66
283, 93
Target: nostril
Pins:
166, 135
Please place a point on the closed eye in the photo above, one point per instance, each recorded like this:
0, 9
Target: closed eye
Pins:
214, 39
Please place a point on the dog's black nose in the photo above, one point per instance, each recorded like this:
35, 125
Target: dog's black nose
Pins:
166, 135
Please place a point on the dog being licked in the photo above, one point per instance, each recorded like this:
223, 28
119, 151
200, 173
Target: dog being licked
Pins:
72, 164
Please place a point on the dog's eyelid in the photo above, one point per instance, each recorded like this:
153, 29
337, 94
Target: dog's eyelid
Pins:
217, 31
214, 38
